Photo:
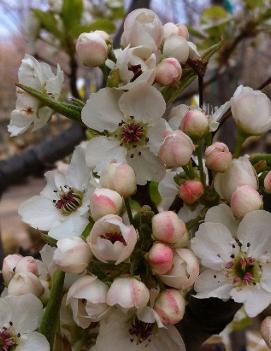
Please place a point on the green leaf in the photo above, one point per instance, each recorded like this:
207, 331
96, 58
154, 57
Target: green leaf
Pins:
71, 13
48, 21
87, 230
100, 24
71, 111
252, 4
48, 239
196, 33
213, 14
154, 192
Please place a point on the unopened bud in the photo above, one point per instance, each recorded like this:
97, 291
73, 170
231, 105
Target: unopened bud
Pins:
119, 177
103, 202
176, 149
160, 258
25, 283
170, 29
168, 71
267, 183
195, 124
169, 228
191, 191
170, 306
9, 265
27, 264
218, 157
92, 48
176, 46
244, 200
72, 255
266, 330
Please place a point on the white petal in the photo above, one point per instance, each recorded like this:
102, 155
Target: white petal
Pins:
213, 245
33, 342
50, 187
54, 84
144, 103
5, 312
254, 298
216, 117
43, 116
168, 190
74, 225
212, 284
101, 111
39, 213
255, 234
19, 122
30, 72
266, 277
176, 116
222, 214
156, 134
101, 150
78, 174
147, 166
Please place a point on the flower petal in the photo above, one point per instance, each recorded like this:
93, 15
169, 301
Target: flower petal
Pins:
168, 190
213, 245
156, 134
222, 214
145, 103
19, 122
266, 277
33, 341
78, 174
74, 225
101, 111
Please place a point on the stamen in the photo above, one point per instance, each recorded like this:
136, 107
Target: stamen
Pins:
69, 200
113, 237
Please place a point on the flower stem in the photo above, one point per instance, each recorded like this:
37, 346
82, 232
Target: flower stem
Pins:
254, 158
129, 210
238, 146
50, 318
199, 153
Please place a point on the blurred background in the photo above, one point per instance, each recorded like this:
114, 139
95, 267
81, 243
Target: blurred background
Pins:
36, 27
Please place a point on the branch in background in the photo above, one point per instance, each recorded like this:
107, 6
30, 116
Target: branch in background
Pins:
37, 159
73, 76
135, 4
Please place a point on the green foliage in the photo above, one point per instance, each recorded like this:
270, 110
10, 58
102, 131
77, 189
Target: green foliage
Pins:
213, 14
100, 24
154, 192
48, 22
71, 13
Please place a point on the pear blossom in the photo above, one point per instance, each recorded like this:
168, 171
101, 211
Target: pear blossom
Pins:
104, 202
121, 331
246, 104
240, 172
19, 318
160, 258
176, 46
142, 27
170, 306
191, 190
87, 298
133, 129
134, 66
27, 264
168, 71
266, 330
170, 29
111, 240
128, 293
62, 206
29, 110
267, 182
25, 283
218, 157
9, 265
236, 261
245, 199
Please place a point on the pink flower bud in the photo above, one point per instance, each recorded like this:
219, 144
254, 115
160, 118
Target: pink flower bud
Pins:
119, 177
160, 258
72, 255
142, 27
195, 124
218, 157
170, 306
9, 265
176, 46
267, 183
169, 228
266, 330
190, 191
245, 199
128, 293
168, 71
103, 202
176, 149
92, 48
27, 264
25, 283
184, 272
170, 29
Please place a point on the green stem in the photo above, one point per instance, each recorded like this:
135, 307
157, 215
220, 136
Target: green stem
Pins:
129, 211
254, 158
238, 146
199, 153
50, 318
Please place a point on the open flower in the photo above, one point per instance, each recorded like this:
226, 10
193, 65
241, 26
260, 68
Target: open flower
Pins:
237, 262
62, 206
29, 110
122, 331
87, 298
134, 66
111, 240
19, 318
133, 129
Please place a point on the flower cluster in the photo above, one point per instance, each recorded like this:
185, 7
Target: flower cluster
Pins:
150, 206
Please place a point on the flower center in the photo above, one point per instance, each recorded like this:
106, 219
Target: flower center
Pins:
69, 200
137, 70
132, 133
140, 331
244, 270
8, 339
113, 237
